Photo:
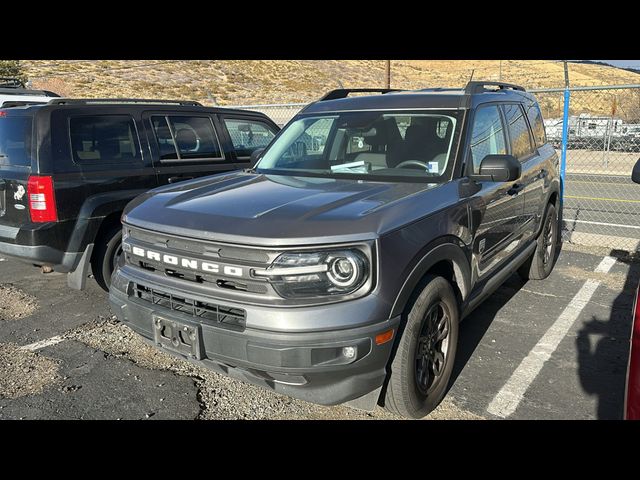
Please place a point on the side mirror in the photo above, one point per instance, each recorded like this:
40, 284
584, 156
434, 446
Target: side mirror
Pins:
255, 156
635, 174
499, 168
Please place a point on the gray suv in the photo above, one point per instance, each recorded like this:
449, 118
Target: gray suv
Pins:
338, 268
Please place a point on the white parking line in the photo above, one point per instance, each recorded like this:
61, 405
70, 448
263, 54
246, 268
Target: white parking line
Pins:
3, 259
510, 395
32, 347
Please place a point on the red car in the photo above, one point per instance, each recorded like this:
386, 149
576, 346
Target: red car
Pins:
632, 404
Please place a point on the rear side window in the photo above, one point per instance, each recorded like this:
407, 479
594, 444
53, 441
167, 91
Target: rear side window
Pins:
186, 138
248, 135
537, 125
521, 146
104, 139
487, 137
15, 140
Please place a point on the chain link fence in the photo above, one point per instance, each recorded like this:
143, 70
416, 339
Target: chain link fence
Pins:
601, 203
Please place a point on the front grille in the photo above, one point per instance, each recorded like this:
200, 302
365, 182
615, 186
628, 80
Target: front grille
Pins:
209, 313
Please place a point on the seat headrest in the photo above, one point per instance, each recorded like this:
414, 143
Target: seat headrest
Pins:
186, 140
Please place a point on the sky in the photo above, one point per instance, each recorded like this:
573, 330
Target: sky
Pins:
622, 63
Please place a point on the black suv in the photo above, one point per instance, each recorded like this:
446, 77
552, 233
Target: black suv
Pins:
338, 268
68, 168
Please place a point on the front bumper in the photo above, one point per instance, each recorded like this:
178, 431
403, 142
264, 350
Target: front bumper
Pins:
309, 365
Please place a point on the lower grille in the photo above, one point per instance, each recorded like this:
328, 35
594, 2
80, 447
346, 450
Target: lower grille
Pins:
209, 313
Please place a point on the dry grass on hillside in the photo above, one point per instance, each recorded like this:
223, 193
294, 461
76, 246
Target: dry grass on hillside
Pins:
233, 82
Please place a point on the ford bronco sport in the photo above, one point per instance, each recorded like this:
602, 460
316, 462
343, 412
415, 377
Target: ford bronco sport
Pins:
337, 269
68, 168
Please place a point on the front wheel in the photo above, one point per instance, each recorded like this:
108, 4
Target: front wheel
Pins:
106, 256
541, 262
422, 366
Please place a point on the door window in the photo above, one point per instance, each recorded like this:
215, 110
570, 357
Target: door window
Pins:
248, 135
487, 137
184, 138
521, 146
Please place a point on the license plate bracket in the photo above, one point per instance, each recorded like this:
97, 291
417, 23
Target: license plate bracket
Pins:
178, 337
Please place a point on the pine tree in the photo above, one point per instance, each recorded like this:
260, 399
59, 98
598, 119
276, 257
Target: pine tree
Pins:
13, 69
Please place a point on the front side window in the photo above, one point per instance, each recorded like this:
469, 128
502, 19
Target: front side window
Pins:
537, 125
186, 138
487, 135
402, 146
104, 139
521, 146
248, 135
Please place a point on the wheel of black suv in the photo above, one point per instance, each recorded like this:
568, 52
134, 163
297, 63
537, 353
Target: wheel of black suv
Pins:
105, 256
421, 368
541, 262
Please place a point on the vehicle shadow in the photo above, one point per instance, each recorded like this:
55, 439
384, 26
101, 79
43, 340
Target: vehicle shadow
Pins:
603, 347
474, 327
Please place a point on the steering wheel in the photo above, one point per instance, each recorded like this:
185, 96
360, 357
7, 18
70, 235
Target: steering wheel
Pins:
412, 163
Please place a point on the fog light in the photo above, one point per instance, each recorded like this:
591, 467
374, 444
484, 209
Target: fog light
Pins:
349, 352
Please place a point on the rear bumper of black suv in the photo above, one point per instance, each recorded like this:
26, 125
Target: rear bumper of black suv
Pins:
324, 367
60, 245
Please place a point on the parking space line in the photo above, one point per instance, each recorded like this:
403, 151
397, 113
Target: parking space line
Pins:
3, 259
32, 347
510, 395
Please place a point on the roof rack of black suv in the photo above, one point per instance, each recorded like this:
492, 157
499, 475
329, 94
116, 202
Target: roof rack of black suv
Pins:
480, 86
344, 92
8, 82
93, 101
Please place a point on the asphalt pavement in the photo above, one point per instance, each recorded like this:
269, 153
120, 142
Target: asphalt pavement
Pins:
552, 349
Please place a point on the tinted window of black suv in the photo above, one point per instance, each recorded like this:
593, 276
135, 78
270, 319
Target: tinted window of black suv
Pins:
68, 168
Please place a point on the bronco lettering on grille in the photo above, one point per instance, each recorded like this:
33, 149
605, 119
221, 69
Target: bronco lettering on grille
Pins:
188, 263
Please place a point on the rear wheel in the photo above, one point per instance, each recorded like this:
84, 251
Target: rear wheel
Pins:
543, 259
422, 366
106, 256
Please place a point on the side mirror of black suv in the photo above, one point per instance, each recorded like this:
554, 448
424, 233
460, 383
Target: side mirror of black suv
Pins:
635, 174
499, 168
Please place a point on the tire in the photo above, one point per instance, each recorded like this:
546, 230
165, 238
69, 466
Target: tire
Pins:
543, 258
105, 256
410, 393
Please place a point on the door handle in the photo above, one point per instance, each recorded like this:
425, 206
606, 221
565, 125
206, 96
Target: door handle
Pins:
179, 179
515, 189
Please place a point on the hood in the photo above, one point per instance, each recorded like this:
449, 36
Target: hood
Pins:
275, 210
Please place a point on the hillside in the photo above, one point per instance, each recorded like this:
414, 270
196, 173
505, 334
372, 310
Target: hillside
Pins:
241, 82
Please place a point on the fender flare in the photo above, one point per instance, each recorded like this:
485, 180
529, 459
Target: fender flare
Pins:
444, 251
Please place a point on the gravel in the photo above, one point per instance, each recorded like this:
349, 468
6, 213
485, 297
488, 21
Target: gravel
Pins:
15, 304
24, 373
223, 397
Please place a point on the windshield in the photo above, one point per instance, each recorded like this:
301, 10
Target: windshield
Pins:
398, 146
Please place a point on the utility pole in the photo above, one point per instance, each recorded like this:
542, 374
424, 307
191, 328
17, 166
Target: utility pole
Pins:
387, 76
500, 76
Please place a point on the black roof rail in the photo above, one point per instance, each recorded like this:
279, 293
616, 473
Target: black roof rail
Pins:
90, 101
20, 103
344, 92
479, 87
9, 82
440, 89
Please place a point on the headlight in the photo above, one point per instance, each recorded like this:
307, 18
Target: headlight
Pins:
331, 272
